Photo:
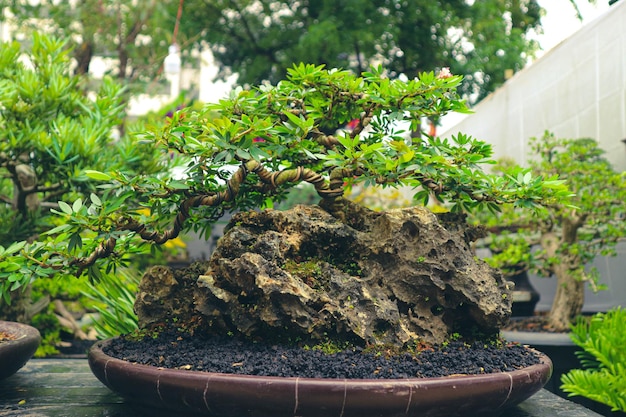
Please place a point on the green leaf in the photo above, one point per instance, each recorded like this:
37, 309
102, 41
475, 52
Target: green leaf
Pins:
177, 185
295, 120
15, 247
16, 285
97, 175
94, 273
65, 208
95, 200
10, 267
58, 229
78, 204
258, 154
242, 154
75, 242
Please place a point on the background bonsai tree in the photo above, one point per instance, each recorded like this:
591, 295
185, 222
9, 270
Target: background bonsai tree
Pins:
261, 143
51, 131
568, 236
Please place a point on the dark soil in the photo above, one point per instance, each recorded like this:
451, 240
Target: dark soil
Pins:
233, 356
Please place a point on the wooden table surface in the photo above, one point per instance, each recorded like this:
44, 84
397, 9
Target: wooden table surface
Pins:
67, 388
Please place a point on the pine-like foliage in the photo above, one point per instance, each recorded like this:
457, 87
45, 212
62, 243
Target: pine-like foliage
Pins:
114, 296
603, 358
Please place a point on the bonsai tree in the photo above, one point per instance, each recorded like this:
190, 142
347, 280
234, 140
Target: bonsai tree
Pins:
569, 236
246, 152
51, 131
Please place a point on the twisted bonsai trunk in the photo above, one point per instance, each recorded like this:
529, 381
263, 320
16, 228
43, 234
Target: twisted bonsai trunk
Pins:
568, 300
570, 288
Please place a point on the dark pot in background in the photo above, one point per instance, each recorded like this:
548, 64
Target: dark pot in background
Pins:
14, 353
525, 296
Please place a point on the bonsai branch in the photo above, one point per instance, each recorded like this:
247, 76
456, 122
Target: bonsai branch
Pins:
327, 190
327, 141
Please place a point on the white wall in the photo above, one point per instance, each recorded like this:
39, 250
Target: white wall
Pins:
212, 90
578, 89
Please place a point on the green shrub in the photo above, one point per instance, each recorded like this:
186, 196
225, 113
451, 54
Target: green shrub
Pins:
51, 132
114, 295
603, 358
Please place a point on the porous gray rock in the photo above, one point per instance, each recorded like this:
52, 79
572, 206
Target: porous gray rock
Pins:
166, 295
358, 275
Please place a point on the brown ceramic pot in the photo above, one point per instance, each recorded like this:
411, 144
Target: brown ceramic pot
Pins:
19, 348
227, 395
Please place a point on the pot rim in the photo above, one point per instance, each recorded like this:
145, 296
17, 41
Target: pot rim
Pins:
21, 330
538, 338
96, 352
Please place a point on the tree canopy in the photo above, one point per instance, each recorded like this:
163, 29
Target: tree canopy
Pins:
261, 39
134, 35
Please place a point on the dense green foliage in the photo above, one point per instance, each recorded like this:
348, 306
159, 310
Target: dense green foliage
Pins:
51, 131
569, 236
265, 141
603, 358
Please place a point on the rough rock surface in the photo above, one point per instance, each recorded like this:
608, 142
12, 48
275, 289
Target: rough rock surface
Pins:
367, 278
165, 294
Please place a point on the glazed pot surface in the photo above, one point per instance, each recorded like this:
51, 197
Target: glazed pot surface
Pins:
230, 395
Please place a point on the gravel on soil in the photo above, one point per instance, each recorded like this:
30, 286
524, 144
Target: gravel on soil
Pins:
232, 356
